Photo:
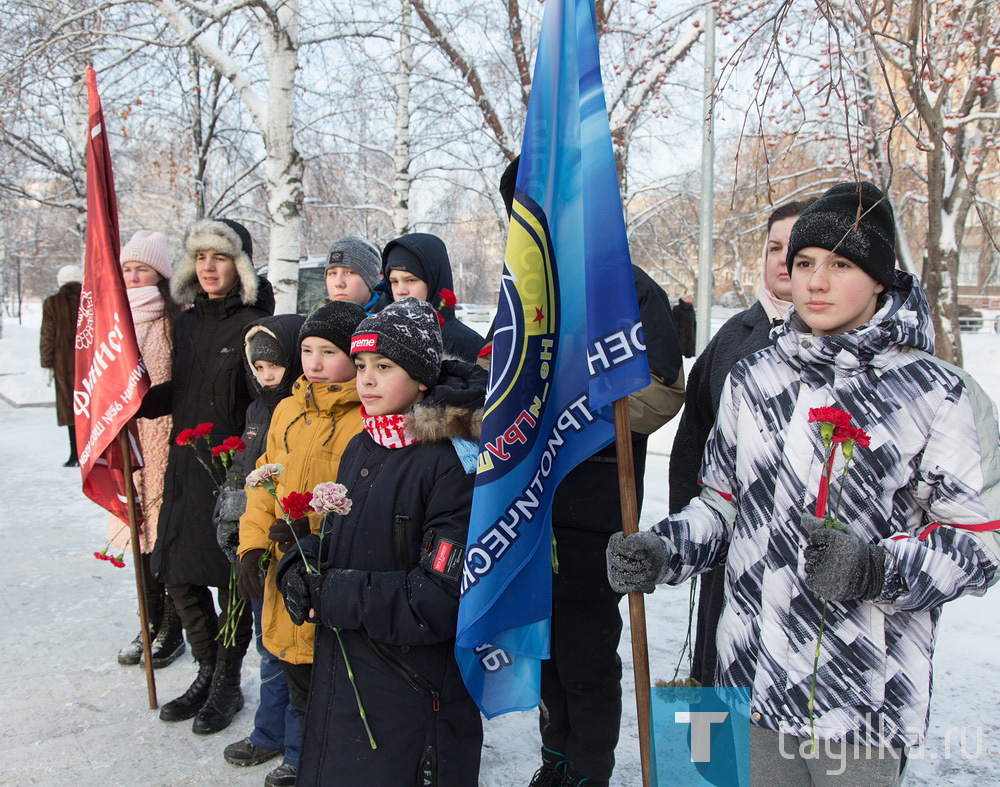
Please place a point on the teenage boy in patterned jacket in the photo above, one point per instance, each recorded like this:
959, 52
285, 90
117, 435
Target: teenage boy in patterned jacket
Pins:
920, 509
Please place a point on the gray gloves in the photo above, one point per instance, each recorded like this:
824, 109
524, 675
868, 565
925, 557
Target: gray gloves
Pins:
840, 566
638, 563
229, 507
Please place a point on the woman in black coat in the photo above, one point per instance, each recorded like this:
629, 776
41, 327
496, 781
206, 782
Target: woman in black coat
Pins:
208, 384
742, 335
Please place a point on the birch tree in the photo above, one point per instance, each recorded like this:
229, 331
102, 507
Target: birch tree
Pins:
271, 107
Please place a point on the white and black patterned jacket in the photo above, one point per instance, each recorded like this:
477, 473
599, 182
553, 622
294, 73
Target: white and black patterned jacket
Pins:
927, 489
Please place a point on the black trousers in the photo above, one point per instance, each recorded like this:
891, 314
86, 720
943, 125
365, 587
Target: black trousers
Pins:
196, 610
298, 677
581, 693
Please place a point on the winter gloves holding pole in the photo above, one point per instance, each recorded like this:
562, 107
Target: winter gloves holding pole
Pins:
839, 566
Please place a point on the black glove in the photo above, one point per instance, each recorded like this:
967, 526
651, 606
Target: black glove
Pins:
301, 591
840, 566
638, 563
250, 583
281, 532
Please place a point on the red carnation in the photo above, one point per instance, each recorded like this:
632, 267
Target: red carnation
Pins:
448, 299
234, 444
829, 415
853, 433
219, 449
296, 504
185, 437
202, 430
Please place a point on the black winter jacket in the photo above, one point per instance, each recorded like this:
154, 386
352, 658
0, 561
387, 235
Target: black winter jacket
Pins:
742, 335
208, 383
685, 320
284, 328
587, 505
397, 612
459, 339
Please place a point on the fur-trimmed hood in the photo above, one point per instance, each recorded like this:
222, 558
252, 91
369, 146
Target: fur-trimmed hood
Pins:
222, 236
453, 408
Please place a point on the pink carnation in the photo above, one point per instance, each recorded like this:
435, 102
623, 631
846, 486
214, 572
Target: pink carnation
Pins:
264, 473
330, 498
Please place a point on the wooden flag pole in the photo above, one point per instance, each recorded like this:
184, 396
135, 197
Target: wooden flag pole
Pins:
636, 603
140, 580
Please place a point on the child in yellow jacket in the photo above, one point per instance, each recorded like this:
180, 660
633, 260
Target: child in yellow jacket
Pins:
308, 434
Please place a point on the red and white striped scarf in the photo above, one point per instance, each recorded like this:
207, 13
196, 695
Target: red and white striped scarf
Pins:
387, 430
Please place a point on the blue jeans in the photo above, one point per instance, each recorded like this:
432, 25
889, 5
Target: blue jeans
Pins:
275, 726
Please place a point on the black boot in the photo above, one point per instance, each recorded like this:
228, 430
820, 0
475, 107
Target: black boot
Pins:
72, 461
132, 653
155, 600
224, 699
169, 642
192, 700
553, 770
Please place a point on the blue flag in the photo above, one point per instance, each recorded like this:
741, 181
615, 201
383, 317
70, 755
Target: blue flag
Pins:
567, 343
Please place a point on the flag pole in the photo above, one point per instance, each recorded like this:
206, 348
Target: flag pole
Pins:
140, 580
636, 603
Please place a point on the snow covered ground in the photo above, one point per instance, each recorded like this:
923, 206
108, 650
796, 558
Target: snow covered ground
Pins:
72, 715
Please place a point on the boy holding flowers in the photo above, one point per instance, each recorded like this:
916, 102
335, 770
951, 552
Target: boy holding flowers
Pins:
915, 517
386, 601
307, 436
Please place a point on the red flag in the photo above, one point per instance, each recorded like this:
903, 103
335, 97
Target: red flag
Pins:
111, 377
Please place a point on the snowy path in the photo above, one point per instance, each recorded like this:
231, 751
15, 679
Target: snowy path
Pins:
72, 715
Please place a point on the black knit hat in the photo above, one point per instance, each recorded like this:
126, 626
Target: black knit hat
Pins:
263, 346
400, 258
854, 220
335, 321
407, 333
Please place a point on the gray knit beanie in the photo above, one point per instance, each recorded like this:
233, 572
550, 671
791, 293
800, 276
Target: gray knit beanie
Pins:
358, 255
407, 333
854, 220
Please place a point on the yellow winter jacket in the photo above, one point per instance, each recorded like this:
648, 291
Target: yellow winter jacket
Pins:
308, 434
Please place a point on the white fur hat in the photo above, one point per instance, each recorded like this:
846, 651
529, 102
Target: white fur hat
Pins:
222, 235
69, 273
